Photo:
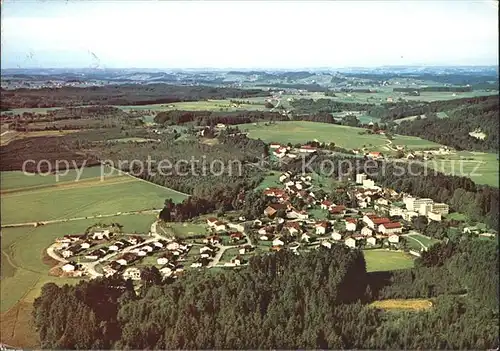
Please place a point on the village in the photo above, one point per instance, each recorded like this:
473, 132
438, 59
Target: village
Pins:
377, 218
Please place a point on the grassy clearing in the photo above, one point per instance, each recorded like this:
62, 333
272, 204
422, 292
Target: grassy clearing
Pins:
385, 260
209, 105
423, 239
269, 181
182, 229
14, 135
343, 136
481, 167
457, 216
402, 304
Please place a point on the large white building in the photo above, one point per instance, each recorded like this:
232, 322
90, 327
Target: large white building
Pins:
413, 203
441, 208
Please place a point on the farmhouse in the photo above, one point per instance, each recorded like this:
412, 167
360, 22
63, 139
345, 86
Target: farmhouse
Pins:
371, 241
390, 228
375, 155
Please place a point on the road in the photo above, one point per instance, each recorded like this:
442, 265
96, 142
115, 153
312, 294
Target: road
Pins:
222, 248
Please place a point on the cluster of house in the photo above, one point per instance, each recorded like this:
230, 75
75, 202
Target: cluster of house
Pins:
280, 151
347, 226
171, 254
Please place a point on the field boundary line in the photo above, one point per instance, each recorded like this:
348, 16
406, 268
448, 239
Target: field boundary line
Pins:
147, 181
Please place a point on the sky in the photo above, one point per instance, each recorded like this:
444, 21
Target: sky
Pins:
247, 34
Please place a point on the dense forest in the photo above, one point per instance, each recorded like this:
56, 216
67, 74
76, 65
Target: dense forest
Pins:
284, 301
207, 118
127, 94
454, 130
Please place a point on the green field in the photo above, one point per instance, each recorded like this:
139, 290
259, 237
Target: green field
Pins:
208, 105
385, 260
269, 181
481, 167
182, 229
425, 240
343, 136
90, 197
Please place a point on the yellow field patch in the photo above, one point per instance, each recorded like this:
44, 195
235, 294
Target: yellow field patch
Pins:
14, 135
403, 304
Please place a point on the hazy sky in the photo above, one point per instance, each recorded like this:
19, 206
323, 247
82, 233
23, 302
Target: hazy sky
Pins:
240, 34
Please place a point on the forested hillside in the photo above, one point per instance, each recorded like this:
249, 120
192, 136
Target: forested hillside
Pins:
454, 130
317, 300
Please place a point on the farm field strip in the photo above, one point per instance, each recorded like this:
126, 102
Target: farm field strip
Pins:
402, 304
97, 181
343, 136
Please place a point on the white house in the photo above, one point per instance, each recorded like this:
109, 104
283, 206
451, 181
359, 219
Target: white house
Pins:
147, 248
141, 253
166, 271
366, 231
350, 226
113, 248
68, 267
336, 236
371, 241
132, 273
158, 244
390, 228
326, 244
351, 242
205, 249
162, 260
219, 226
394, 238
283, 177
85, 245
172, 246
278, 242
242, 251
321, 228
122, 261
196, 265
